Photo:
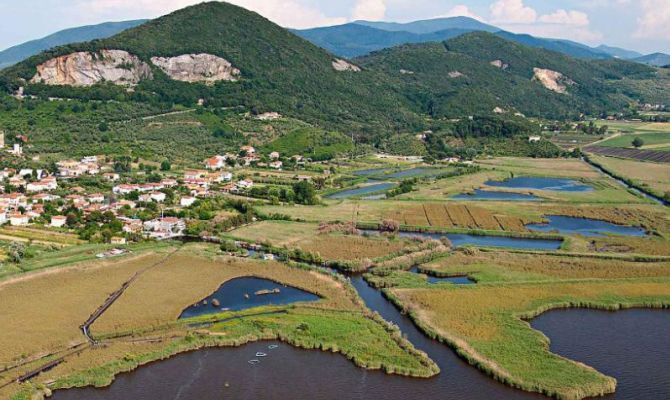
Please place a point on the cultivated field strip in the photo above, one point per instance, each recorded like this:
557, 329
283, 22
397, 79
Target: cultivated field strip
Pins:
455, 216
642, 155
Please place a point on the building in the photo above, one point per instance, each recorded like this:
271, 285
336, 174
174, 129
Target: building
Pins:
274, 155
534, 139
216, 162
164, 228
18, 219
17, 150
43, 185
96, 198
187, 201
118, 240
276, 165
58, 221
244, 184
2, 139
248, 150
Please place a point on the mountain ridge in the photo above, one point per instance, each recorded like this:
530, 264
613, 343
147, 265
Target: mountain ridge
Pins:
20, 52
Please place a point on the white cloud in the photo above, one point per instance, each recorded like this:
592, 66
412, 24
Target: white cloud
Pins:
369, 10
461, 10
512, 12
515, 16
655, 20
288, 13
562, 17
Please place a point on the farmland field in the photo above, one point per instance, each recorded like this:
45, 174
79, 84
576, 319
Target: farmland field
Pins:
654, 176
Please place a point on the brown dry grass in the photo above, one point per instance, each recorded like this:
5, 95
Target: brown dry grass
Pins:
42, 312
161, 294
332, 246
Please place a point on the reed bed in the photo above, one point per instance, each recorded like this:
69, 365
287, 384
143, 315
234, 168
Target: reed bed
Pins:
42, 312
501, 266
486, 326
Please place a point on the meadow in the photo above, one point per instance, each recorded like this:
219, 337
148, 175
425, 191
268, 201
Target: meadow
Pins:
650, 176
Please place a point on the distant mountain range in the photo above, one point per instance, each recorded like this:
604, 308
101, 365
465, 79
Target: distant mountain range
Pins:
363, 37
657, 59
358, 38
20, 52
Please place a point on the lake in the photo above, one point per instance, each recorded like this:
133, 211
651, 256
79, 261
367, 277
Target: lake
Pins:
361, 191
483, 195
542, 183
631, 345
239, 294
585, 227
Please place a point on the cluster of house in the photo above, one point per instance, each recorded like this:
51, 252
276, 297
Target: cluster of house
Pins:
247, 157
75, 169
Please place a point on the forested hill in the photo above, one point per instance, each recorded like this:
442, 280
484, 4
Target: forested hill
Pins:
278, 70
394, 90
480, 72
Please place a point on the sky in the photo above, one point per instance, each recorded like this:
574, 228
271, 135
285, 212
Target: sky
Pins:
642, 25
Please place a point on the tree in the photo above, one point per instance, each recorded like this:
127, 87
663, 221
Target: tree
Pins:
165, 165
638, 142
16, 252
304, 193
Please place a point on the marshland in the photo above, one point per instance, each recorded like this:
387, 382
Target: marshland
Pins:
421, 292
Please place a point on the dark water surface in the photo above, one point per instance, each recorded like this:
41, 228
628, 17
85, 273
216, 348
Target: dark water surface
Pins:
542, 183
374, 188
632, 346
239, 294
489, 195
585, 227
458, 239
456, 280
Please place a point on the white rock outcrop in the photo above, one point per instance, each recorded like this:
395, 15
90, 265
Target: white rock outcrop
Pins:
342, 65
552, 80
455, 74
87, 68
205, 68
499, 64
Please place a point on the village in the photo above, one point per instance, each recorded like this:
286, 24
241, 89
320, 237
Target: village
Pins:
135, 206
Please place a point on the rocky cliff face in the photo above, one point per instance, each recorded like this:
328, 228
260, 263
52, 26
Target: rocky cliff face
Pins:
552, 80
342, 65
205, 68
86, 69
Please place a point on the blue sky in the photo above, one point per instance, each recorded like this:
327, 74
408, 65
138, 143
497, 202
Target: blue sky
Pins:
642, 25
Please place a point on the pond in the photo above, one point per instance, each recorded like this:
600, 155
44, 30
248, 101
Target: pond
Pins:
484, 195
632, 346
460, 239
361, 191
585, 227
456, 280
542, 183
248, 292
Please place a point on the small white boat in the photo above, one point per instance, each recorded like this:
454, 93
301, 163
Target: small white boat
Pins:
273, 346
260, 354
253, 362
